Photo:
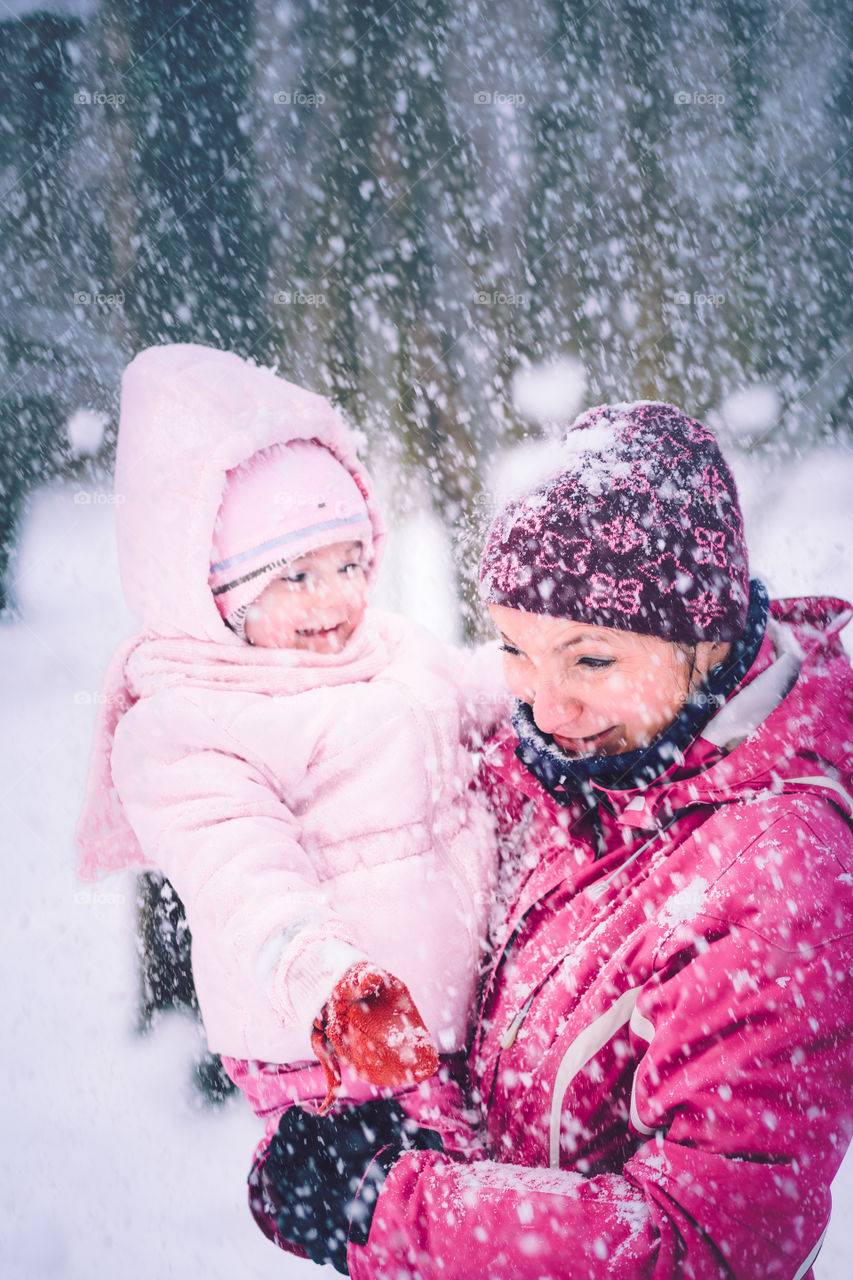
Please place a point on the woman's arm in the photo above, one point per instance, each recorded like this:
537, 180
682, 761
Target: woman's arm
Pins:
741, 1113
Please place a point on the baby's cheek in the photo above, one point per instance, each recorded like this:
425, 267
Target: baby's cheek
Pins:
266, 625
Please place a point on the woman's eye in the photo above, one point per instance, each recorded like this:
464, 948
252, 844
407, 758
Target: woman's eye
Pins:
597, 664
508, 648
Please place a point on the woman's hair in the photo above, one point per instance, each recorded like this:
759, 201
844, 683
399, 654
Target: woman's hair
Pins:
640, 529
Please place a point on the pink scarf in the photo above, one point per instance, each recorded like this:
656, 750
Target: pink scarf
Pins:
149, 664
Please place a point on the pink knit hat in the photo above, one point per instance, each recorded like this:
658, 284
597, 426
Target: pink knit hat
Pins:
283, 502
640, 529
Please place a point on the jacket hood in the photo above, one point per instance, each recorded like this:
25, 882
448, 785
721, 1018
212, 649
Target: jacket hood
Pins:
806, 739
189, 414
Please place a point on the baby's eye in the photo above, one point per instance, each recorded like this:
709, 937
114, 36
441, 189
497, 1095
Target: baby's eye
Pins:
294, 577
350, 569
597, 664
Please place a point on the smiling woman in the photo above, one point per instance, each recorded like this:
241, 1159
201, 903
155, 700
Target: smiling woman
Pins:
668, 993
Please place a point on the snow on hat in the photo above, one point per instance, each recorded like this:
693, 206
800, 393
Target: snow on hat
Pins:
281, 503
639, 530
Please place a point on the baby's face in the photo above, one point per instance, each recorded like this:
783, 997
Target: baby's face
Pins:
316, 604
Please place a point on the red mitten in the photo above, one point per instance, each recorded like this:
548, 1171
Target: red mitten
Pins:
371, 1024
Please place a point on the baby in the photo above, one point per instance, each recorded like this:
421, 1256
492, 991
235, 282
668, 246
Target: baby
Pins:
295, 762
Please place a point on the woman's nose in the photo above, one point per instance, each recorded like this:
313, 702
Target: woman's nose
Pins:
553, 707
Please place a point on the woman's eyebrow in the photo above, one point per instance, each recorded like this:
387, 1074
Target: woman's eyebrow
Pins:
503, 636
586, 637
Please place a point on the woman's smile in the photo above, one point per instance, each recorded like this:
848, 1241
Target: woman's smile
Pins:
592, 744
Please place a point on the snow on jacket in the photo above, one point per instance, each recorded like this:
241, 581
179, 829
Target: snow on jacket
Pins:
665, 1051
307, 808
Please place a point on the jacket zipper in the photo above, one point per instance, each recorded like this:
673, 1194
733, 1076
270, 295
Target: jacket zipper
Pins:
594, 893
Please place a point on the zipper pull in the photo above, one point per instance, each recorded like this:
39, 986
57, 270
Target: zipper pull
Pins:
508, 1038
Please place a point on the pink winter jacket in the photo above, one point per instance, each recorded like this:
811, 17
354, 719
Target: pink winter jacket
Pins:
664, 1056
309, 809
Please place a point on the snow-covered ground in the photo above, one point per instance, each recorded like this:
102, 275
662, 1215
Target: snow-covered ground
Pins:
112, 1167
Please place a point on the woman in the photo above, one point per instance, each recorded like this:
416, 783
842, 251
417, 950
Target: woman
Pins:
663, 1061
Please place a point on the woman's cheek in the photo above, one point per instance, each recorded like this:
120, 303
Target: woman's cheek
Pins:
622, 691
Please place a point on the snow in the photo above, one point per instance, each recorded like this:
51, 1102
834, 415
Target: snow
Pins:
85, 429
515, 470
118, 1169
750, 411
418, 575
549, 392
686, 903
798, 526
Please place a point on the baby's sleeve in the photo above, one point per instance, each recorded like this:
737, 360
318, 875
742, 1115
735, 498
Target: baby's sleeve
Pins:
219, 827
484, 699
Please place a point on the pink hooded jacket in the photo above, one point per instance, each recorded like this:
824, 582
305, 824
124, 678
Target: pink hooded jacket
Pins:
309, 809
665, 1049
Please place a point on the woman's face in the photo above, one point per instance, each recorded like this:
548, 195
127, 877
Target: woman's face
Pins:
595, 690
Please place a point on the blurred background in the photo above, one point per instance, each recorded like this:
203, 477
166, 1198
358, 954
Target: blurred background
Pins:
464, 222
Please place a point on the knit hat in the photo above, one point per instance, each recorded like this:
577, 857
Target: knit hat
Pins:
639, 530
281, 503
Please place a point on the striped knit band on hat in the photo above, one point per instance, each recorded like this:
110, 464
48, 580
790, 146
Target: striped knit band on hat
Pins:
283, 502
639, 530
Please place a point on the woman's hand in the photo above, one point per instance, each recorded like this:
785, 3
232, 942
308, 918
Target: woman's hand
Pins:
322, 1174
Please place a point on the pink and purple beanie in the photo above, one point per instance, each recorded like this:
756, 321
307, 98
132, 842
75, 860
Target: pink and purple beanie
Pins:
281, 503
640, 530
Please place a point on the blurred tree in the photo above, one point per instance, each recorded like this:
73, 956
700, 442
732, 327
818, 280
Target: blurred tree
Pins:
42, 369
198, 269
466, 189
197, 275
